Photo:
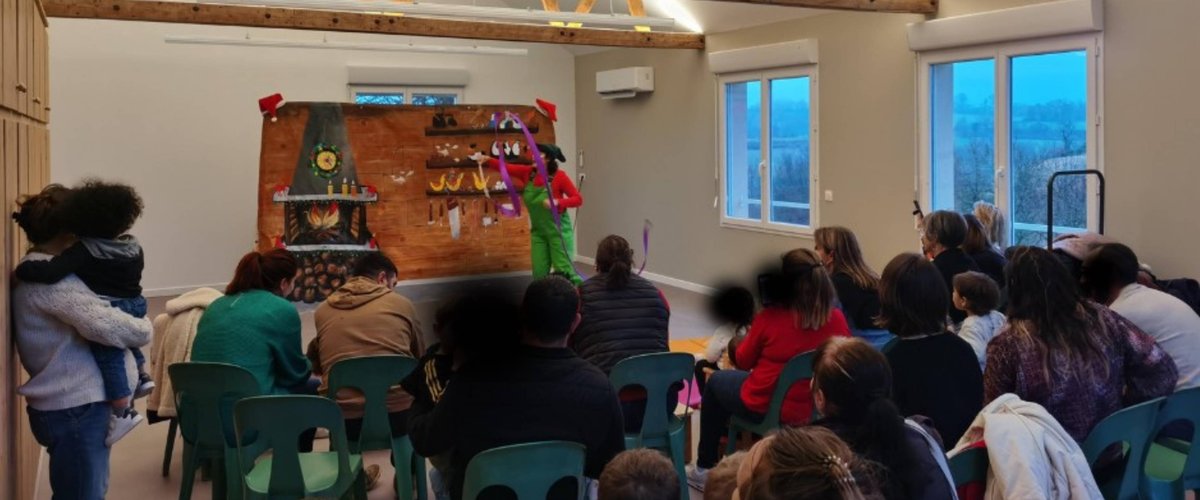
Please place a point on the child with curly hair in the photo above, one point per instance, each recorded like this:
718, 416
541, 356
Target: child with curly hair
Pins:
110, 263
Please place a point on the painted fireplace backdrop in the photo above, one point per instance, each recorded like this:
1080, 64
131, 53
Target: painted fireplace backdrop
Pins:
337, 181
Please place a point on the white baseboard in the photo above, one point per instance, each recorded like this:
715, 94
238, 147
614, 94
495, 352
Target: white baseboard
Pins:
658, 278
456, 279
179, 290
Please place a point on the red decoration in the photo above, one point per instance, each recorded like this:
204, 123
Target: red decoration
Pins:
269, 105
371, 190
372, 244
547, 108
278, 242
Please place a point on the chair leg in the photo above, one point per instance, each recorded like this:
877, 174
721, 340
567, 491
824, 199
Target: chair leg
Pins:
188, 474
360, 485
402, 462
172, 429
418, 470
233, 476
731, 440
219, 478
678, 459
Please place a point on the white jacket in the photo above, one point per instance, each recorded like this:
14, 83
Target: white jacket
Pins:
174, 332
1031, 455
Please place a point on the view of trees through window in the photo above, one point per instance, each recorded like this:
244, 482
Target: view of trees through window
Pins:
1047, 104
789, 122
397, 98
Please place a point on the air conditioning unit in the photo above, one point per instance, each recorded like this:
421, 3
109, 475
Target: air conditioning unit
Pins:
624, 82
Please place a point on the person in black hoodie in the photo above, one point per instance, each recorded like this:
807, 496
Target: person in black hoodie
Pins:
621, 315
537, 390
941, 238
852, 385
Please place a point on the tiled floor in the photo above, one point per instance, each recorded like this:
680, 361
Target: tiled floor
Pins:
137, 459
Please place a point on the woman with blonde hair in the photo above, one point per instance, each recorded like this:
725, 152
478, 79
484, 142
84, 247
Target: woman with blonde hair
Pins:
856, 283
805, 462
799, 322
993, 223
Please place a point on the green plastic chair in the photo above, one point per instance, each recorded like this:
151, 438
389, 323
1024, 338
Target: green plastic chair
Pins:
798, 368
1173, 465
970, 466
1128, 427
204, 397
657, 373
275, 423
374, 376
528, 469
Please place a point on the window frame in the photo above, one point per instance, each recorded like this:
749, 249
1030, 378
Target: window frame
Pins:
763, 223
407, 91
1002, 55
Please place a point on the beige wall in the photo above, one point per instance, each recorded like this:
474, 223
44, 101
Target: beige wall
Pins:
655, 156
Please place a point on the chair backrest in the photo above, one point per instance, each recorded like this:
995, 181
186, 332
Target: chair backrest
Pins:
529, 469
1183, 405
373, 376
275, 423
204, 397
970, 466
796, 369
1129, 426
656, 373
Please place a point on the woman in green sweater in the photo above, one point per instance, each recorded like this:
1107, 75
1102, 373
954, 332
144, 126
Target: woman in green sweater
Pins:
253, 326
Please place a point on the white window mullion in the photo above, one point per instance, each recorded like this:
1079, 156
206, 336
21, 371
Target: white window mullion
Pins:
764, 164
1003, 138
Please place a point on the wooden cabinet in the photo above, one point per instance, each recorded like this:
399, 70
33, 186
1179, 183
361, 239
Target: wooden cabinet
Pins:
25, 155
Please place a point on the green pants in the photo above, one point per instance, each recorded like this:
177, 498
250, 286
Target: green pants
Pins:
548, 252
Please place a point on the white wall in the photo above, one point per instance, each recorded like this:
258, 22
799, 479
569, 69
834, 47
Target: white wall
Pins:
180, 123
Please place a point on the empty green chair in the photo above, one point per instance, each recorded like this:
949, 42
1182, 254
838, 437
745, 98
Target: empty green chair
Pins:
1173, 465
275, 423
204, 397
657, 373
528, 469
798, 368
373, 376
970, 466
1131, 428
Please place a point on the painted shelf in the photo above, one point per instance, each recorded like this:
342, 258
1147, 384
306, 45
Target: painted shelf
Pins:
280, 197
331, 248
467, 192
431, 132
443, 163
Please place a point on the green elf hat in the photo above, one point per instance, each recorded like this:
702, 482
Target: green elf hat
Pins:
552, 152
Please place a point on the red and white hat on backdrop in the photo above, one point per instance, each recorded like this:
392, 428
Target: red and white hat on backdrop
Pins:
547, 108
270, 105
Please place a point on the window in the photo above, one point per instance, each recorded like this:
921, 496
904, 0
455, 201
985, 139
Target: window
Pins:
768, 158
996, 122
395, 96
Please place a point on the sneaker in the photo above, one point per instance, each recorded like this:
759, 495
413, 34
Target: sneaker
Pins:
145, 386
119, 426
697, 477
372, 471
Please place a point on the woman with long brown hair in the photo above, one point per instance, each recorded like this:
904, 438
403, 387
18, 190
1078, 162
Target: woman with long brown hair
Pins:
1078, 359
805, 462
856, 283
780, 332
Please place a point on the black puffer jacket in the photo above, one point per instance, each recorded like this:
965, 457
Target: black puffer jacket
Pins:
617, 324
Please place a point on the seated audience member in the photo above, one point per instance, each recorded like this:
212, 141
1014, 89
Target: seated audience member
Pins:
778, 334
936, 373
621, 315
941, 237
365, 317
1110, 276
722, 479
993, 223
535, 391
174, 332
856, 283
979, 247
852, 383
253, 326
641, 474
1078, 359
978, 296
732, 308
808, 462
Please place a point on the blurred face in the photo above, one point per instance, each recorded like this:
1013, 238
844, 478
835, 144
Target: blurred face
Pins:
824, 256
288, 285
959, 302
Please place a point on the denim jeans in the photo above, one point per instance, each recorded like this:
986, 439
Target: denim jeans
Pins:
111, 360
722, 400
74, 439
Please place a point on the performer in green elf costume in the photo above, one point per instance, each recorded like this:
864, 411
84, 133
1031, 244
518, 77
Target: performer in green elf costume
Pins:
549, 247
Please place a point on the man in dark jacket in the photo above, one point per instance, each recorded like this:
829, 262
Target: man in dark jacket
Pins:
540, 391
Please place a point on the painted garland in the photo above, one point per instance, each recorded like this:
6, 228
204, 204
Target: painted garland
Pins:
326, 161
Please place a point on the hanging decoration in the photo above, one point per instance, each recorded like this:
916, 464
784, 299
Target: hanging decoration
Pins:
326, 160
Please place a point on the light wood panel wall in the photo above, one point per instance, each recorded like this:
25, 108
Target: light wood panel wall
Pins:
25, 154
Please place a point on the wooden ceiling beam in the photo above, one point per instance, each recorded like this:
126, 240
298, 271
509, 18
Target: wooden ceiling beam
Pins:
272, 17
896, 6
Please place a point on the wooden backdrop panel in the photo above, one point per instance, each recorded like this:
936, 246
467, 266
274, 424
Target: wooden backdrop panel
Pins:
388, 142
